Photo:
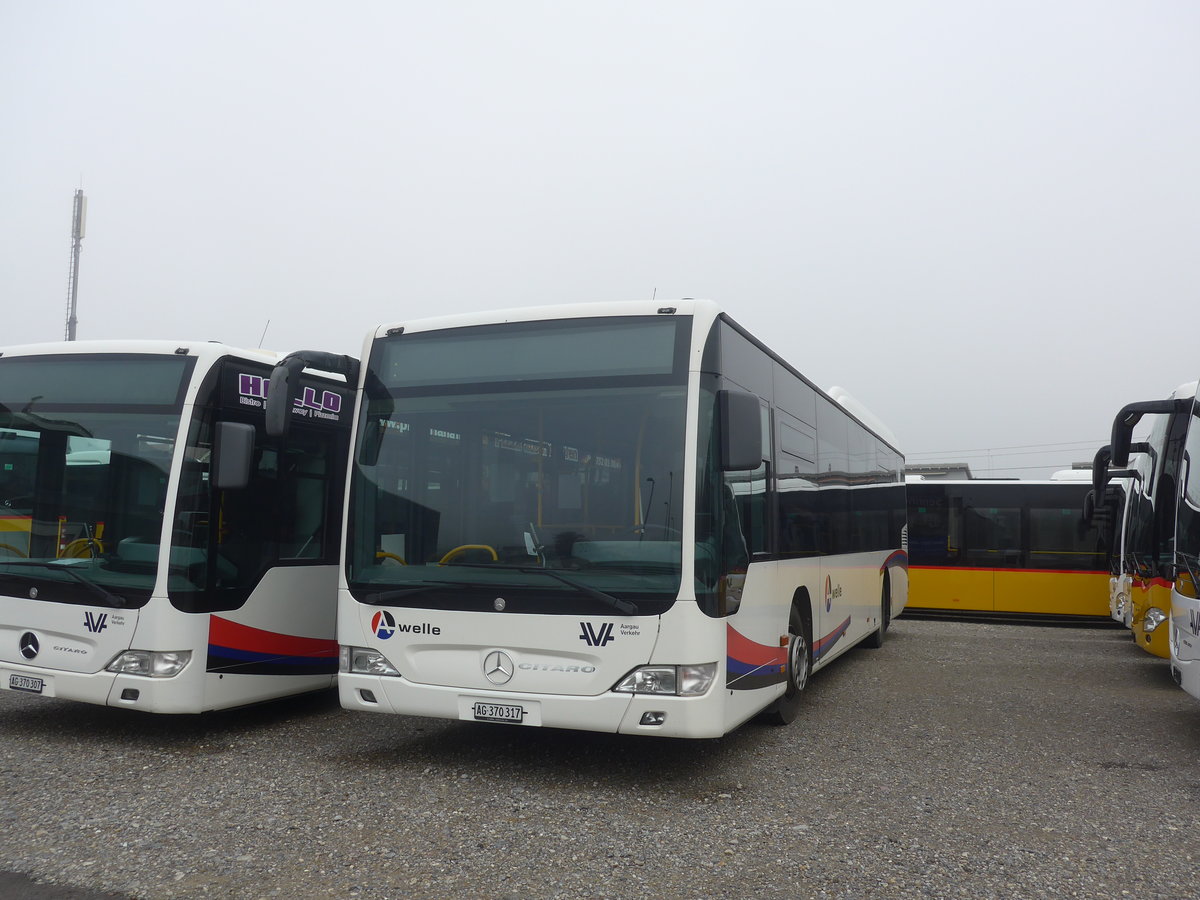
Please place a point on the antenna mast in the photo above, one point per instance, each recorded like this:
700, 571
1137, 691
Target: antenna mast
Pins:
77, 229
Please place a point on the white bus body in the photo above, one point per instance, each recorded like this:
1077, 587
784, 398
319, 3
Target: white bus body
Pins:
1185, 593
1119, 578
157, 551
625, 517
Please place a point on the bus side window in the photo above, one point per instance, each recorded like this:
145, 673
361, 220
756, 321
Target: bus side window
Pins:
748, 491
1188, 524
304, 497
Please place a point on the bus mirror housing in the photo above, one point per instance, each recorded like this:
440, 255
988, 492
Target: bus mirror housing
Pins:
285, 383
740, 421
378, 403
1122, 436
1126, 420
285, 379
1099, 477
233, 456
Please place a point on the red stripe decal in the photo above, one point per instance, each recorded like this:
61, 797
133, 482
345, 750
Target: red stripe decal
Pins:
745, 650
225, 633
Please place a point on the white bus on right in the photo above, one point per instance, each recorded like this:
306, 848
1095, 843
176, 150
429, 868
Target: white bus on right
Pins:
1185, 592
1149, 560
1170, 561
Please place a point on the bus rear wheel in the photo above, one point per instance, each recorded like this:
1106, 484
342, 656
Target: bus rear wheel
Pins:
799, 668
875, 639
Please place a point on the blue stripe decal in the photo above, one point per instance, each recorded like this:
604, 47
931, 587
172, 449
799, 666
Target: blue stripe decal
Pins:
273, 658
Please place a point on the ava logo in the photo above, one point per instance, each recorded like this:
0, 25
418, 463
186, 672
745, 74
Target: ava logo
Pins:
1194, 621
594, 638
383, 625
95, 622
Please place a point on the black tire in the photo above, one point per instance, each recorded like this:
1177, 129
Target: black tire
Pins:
875, 640
799, 668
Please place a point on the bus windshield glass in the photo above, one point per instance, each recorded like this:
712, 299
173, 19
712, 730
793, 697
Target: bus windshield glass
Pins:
85, 450
516, 480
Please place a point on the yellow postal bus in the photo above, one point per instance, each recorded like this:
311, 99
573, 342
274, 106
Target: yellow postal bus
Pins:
1002, 549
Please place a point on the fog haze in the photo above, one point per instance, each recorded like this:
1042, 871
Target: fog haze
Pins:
980, 219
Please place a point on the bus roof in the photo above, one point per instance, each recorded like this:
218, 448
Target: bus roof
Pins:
704, 311
202, 349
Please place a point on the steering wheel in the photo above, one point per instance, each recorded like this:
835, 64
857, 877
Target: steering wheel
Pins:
15, 551
383, 554
460, 550
82, 548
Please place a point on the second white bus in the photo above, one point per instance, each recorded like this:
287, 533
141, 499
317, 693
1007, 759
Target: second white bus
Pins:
157, 550
629, 518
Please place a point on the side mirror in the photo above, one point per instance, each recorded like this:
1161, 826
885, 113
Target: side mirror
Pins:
1126, 420
285, 383
233, 456
281, 396
379, 406
740, 422
1100, 465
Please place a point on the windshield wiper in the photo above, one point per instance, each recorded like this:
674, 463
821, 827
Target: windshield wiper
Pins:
99, 590
1183, 557
622, 606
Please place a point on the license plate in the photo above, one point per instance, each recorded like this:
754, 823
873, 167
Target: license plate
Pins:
497, 712
26, 683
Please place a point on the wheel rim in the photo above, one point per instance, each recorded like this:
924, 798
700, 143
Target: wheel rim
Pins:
797, 659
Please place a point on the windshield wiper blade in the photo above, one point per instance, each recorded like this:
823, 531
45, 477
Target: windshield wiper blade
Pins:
99, 590
1183, 557
623, 606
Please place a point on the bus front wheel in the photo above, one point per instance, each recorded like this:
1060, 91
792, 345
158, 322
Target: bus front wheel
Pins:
799, 668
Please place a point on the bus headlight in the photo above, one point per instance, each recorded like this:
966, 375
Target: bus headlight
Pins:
364, 661
1154, 618
682, 681
150, 663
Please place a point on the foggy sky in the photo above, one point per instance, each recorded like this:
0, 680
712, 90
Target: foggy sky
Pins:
981, 219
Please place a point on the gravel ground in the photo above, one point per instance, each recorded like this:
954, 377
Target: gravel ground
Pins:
961, 760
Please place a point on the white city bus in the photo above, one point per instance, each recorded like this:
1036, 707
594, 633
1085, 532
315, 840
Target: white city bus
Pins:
622, 517
1122, 497
157, 550
1184, 571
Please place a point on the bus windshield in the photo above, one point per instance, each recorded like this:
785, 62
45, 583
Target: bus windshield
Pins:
523, 488
80, 474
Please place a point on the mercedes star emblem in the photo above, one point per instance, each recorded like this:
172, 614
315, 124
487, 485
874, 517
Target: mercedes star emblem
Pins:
498, 667
30, 646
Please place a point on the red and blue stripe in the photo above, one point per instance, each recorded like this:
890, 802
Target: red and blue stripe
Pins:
240, 649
